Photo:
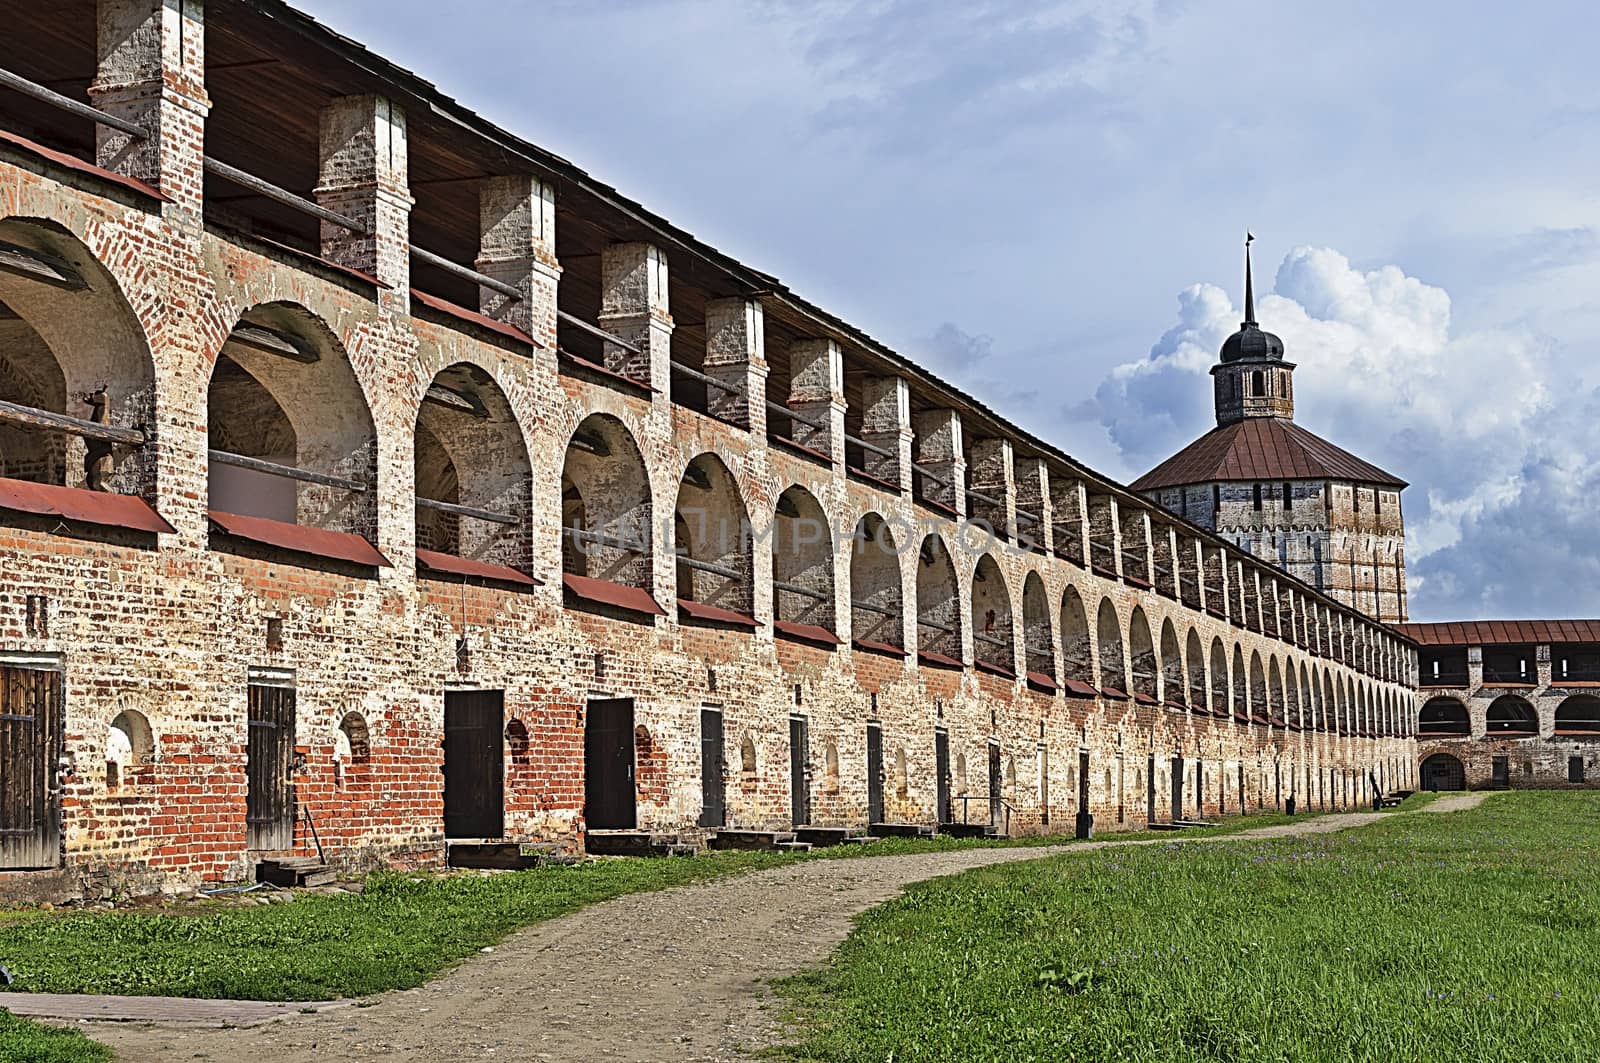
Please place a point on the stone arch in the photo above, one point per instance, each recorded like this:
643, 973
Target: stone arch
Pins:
1441, 771
67, 333
1276, 699
830, 767
1077, 648
1038, 640
1196, 671
1219, 677
938, 602
353, 741
747, 757
130, 745
1241, 684
1113, 667
606, 522
1258, 687
993, 627
1330, 703
1579, 716
1145, 673
1510, 714
518, 745
711, 537
902, 774
876, 609
1172, 684
961, 774
283, 391
469, 451
802, 561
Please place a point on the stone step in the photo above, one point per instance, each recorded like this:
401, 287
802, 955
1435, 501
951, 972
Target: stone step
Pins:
968, 830
902, 830
498, 856
825, 836
294, 871
794, 847
764, 840
631, 843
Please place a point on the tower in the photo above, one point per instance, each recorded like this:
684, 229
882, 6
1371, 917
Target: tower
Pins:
1274, 488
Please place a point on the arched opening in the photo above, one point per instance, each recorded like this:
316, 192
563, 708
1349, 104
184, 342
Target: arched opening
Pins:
902, 775
473, 476
70, 344
605, 506
1172, 685
1275, 694
1219, 678
1113, 670
353, 742
1441, 771
1579, 717
1197, 670
130, 745
1241, 685
938, 604
993, 645
1077, 648
1258, 689
1038, 640
1258, 383
830, 767
711, 539
1330, 705
1145, 673
802, 566
290, 433
747, 757
1510, 715
961, 774
517, 742
876, 616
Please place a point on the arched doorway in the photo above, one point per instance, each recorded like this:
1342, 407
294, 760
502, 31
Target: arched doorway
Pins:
1443, 772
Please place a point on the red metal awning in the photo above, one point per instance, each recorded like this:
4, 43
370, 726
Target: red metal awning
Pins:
1144, 699
1113, 693
71, 162
1078, 689
884, 648
601, 371
994, 669
434, 561
1039, 679
300, 538
938, 660
702, 611
615, 595
77, 503
473, 317
805, 632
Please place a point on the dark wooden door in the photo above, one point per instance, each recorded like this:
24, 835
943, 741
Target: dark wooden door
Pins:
474, 763
994, 787
30, 754
799, 772
1044, 785
1574, 769
1177, 788
874, 773
1150, 789
713, 805
269, 768
941, 758
1502, 771
1083, 780
609, 800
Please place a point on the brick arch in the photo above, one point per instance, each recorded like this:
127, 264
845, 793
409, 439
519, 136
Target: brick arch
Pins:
606, 505
993, 619
1144, 676
1077, 645
1038, 634
1511, 714
1108, 643
1172, 673
1220, 687
1195, 673
939, 616
711, 527
877, 598
1579, 716
802, 552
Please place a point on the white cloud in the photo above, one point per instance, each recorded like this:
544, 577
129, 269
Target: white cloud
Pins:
1479, 421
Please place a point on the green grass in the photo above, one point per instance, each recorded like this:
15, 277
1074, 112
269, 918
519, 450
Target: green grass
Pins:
1468, 935
401, 931
22, 1041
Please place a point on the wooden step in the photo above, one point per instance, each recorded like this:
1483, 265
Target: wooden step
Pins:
968, 830
293, 871
901, 830
631, 843
822, 837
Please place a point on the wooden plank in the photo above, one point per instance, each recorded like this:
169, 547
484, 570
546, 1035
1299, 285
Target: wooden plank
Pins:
48, 420
272, 468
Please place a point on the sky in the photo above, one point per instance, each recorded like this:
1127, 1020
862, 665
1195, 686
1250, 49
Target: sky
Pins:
1045, 203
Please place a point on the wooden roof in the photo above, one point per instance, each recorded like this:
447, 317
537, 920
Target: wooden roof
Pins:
1501, 632
1262, 448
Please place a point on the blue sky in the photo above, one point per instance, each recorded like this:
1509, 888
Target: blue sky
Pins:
1045, 202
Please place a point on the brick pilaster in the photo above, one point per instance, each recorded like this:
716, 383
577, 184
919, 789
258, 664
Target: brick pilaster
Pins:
362, 168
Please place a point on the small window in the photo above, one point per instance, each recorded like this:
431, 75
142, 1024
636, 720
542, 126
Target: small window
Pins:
1216, 497
1288, 496
1258, 383
1258, 496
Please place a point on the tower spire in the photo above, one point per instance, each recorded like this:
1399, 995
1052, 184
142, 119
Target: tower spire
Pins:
1249, 284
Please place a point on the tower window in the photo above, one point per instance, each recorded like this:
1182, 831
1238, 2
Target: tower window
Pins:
1258, 383
1216, 497
1258, 496
1288, 498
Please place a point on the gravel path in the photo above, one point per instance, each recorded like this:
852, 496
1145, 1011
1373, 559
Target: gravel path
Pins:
674, 975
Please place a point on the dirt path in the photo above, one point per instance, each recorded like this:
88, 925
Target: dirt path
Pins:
674, 975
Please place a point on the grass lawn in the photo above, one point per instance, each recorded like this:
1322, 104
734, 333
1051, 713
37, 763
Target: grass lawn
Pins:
1458, 936
397, 934
27, 1042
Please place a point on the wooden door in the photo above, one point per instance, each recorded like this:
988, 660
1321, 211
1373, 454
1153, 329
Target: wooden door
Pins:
609, 797
30, 754
1150, 789
799, 772
474, 763
713, 805
1177, 788
874, 773
269, 768
941, 757
994, 787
